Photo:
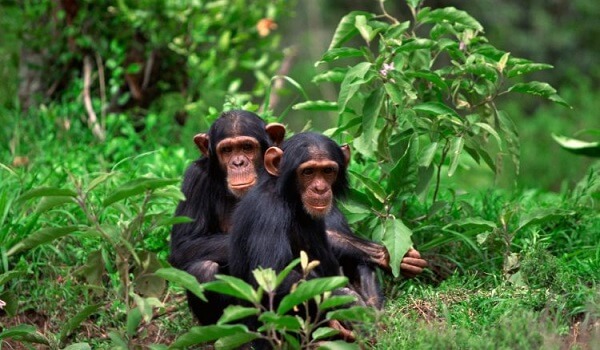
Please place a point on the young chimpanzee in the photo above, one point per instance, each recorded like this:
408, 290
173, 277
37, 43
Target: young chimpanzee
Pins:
233, 158
285, 212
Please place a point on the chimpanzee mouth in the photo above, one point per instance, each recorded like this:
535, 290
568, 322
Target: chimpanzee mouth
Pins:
242, 185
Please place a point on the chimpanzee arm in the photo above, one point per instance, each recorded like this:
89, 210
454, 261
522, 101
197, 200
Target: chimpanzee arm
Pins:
193, 241
349, 247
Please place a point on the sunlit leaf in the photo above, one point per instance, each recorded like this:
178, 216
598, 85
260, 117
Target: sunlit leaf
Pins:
456, 147
590, 149
539, 89
280, 322
308, 290
346, 29
397, 239
338, 345
324, 332
316, 106
234, 341
341, 52
451, 15
236, 312
183, 279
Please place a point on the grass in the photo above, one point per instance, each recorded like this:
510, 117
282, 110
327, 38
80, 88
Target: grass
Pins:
471, 298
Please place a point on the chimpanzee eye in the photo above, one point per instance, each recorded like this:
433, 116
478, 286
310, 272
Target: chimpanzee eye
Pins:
307, 171
247, 147
328, 170
226, 149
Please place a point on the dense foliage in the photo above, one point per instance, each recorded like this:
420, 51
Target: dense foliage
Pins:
84, 223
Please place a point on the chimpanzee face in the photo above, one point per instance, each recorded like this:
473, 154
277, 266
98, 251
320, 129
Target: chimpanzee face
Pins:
239, 157
315, 180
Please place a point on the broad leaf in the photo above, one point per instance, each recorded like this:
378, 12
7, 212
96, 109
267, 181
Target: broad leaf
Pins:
525, 68
78, 346
396, 238
324, 332
449, 14
540, 89
346, 29
456, 147
435, 109
40, 237
355, 313
308, 290
335, 75
50, 202
203, 334
338, 345
341, 52
336, 300
367, 142
351, 84
542, 216
234, 341
272, 320
235, 287
236, 312
183, 279
74, 322
590, 149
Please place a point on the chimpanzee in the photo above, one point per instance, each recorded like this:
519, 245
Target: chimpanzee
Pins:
233, 158
211, 191
285, 212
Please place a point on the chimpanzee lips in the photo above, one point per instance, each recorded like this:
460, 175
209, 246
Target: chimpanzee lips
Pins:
240, 185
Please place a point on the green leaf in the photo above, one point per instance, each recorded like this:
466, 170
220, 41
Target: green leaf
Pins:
316, 106
511, 136
338, 345
473, 224
73, 323
335, 75
491, 131
40, 237
203, 334
395, 94
429, 76
403, 176
351, 84
456, 148
286, 271
78, 346
12, 302
414, 3
525, 68
17, 331
324, 332
235, 287
590, 149
50, 202
396, 238
540, 89
136, 187
375, 188
341, 52
428, 154
183, 279
335, 301
265, 278
236, 312
414, 44
435, 109
308, 290
272, 320
235, 341
366, 142
346, 29
134, 319
449, 14
47, 191
355, 313
542, 216
7, 276
364, 29
98, 180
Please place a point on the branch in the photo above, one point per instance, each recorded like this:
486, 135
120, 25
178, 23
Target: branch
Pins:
87, 100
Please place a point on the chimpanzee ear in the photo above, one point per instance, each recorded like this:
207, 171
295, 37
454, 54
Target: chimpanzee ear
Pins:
272, 159
201, 141
346, 151
276, 132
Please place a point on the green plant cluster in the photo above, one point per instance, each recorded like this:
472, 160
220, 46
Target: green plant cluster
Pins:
87, 220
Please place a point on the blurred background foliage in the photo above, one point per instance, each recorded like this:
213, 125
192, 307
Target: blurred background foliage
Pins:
175, 60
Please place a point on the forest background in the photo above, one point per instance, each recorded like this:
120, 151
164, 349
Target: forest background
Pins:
99, 102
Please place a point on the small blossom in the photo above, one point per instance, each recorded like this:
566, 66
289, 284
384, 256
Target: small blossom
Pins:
386, 68
2, 304
265, 26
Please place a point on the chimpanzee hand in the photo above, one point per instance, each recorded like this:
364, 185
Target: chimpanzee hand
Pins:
412, 264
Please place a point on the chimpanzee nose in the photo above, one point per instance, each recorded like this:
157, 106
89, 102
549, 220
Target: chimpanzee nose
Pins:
239, 162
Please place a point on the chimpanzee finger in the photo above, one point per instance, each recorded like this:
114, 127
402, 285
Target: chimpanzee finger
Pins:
415, 262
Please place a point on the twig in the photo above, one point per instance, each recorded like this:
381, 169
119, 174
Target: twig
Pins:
87, 100
102, 82
286, 65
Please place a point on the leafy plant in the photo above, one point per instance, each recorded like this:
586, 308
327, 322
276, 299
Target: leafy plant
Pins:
419, 96
276, 326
